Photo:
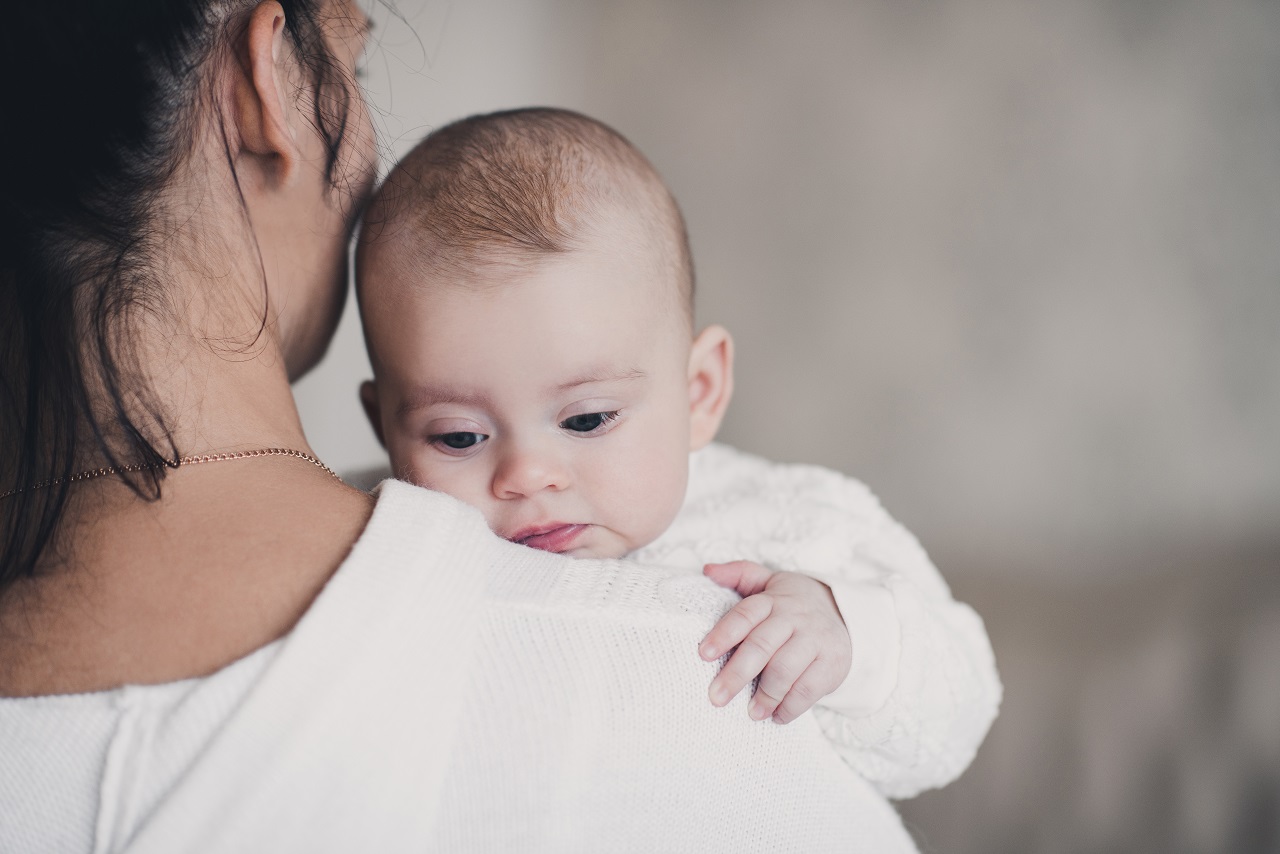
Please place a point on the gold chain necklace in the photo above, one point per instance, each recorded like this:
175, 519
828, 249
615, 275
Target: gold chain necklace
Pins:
194, 459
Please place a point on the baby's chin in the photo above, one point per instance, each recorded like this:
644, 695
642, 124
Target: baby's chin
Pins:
597, 554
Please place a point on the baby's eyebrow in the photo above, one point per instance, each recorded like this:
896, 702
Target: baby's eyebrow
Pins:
422, 396
602, 375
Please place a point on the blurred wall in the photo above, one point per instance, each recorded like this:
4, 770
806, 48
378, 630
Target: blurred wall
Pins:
1012, 263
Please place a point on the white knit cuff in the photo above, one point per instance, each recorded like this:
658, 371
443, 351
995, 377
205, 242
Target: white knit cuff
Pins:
869, 614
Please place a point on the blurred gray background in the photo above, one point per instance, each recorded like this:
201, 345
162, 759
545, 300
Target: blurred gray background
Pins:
1015, 265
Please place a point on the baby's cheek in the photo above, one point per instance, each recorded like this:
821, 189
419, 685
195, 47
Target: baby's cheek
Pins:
411, 465
462, 482
410, 468
400, 454
664, 496
438, 478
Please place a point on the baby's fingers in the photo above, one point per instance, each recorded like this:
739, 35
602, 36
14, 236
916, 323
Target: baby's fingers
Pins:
745, 577
803, 694
734, 626
781, 679
750, 658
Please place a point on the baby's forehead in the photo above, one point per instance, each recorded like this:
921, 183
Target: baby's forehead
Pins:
519, 338
608, 283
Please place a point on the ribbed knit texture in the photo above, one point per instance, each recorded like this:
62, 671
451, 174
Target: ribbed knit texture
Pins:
78, 772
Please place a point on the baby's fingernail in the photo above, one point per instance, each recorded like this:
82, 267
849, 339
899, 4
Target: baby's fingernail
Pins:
719, 695
708, 651
757, 712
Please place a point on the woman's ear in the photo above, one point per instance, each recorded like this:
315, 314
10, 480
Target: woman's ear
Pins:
261, 100
369, 400
710, 384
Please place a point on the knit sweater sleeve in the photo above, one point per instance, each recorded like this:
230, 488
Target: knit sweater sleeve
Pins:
923, 689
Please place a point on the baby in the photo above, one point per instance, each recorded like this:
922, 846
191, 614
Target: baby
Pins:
526, 289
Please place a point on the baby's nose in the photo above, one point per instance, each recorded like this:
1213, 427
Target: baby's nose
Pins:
526, 471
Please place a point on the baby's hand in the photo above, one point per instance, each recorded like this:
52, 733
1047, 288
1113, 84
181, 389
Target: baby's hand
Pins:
787, 630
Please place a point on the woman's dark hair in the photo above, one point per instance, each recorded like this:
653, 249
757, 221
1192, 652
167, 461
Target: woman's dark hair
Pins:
102, 103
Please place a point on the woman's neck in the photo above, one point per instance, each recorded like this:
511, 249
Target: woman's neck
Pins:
224, 562
213, 364
221, 403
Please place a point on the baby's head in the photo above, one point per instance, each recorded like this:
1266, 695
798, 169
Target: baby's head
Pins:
527, 296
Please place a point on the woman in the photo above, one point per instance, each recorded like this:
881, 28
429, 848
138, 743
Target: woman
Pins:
207, 641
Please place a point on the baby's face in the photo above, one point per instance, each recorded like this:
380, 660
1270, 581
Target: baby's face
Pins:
555, 398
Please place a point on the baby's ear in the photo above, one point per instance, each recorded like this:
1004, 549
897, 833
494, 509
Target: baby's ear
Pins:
369, 400
710, 384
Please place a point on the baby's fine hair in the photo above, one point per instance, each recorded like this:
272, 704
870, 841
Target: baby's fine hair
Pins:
511, 186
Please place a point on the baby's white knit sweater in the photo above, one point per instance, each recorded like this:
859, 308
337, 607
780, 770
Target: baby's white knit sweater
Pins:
450, 691
923, 689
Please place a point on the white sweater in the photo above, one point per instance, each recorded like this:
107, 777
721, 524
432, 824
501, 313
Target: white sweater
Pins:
450, 691
923, 690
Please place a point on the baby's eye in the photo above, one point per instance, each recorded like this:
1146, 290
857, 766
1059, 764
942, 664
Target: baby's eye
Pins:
457, 442
589, 422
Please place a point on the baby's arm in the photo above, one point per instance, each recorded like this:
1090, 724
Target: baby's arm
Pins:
922, 689
920, 727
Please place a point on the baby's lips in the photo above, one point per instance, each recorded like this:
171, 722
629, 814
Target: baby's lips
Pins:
555, 537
